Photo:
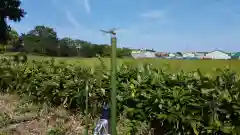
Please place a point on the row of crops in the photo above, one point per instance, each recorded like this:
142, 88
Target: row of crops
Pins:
180, 103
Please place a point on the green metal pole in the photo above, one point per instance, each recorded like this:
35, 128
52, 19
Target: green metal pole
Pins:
86, 111
59, 51
113, 85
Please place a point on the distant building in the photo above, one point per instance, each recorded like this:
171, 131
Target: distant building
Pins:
188, 54
236, 55
143, 54
150, 54
217, 54
137, 55
137, 51
178, 54
172, 55
200, 55
161, 54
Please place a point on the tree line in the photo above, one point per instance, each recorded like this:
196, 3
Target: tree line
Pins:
43, 40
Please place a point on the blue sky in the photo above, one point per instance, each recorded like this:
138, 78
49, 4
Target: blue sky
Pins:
164, 25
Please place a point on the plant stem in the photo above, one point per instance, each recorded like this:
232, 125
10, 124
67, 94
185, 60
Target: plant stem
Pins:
86, 111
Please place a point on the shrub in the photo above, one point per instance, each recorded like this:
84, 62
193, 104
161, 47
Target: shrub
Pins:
173, 103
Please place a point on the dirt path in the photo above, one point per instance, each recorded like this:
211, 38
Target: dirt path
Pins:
20, 117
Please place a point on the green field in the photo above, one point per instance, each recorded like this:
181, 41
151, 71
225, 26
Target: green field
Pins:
206, 66
144, 95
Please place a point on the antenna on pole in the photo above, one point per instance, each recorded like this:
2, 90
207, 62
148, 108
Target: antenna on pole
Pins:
110, 31
113, 79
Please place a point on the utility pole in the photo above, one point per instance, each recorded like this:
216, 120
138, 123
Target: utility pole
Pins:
113, 122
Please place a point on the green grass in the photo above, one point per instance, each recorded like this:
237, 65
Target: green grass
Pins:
206, 66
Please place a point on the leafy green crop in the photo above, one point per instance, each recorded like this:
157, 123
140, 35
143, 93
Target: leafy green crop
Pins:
181, 103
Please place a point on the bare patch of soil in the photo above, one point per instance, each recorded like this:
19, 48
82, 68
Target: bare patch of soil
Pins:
18, 117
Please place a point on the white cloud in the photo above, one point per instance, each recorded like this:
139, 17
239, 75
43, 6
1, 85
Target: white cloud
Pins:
75, 29
87, 6
137, 35
68, 14
154, 14
72, 19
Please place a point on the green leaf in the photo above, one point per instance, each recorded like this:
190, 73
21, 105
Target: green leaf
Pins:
162, 116
194, 127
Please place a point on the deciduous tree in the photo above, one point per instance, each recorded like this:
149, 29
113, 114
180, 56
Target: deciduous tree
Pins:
9, 9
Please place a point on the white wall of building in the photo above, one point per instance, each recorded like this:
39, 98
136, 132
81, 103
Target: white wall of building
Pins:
143, 55
188, 54
218, 55
150, 55
171, 55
